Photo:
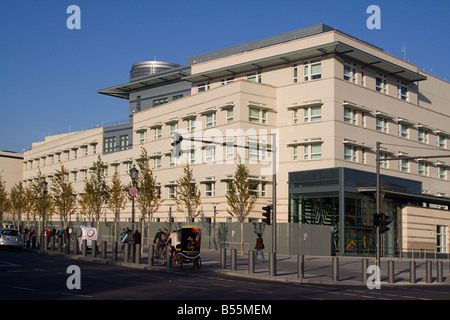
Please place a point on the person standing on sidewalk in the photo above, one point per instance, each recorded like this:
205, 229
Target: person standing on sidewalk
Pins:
259, 247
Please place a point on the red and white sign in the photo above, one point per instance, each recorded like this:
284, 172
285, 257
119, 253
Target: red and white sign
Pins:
133, 192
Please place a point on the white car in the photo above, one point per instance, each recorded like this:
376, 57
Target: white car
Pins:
10, 238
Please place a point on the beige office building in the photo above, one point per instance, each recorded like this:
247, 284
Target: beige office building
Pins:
327, 97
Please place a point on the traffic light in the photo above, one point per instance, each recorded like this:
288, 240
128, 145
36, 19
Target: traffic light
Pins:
266, 214
376, 220
384, 222
176, 144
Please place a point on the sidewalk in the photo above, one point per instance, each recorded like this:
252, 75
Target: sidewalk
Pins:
317, 270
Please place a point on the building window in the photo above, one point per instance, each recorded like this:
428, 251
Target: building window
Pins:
176, 97
312, 114
158, 102
157, 133
423, 168
295, 116
403, 165
109, 144
191, 124
295, 75
440, 141
442, 172
349, 115
383, 163
123, 142
138, 103
172, 128
402, 89
210, 189
312, 151
192, 157
172, 192
295, 153
203, 87
75, 155
227, 81
350, 73
156, 163
312, 71
173, 161
210, 120
142, 136
254, 77
230, 149
84, 151
67, 156
382, 124
230, 115
350, 153
441, 241
381, 83
422, 135
210, 154
257, 115
94, 149
403, 131
84, 175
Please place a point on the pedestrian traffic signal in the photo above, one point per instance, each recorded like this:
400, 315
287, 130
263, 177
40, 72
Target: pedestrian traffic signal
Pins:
266, 214
176, 144
384, 222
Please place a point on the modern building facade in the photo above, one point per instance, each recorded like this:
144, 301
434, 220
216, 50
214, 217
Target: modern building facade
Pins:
327, 96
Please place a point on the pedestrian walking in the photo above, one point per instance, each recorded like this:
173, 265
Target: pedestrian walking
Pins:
123, 238
259, 247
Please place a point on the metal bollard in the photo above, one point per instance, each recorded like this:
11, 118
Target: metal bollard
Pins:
75, 246
59, 245
440, 274
67, 248
84, 247
251, 261
104, 246
233, 259
53, 244
412, 272
126, 253
94, 248
137, 256
429, 272
301, 266
272, 264
365, 265
114, 251
335, 271
168, 257
151, 253
391, 271
223, 258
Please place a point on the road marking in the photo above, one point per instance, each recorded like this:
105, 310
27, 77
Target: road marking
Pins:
8, 264
20, 288
140, 282
76, 295
189, 287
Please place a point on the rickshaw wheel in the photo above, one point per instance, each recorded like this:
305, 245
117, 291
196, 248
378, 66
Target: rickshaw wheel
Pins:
179, 261
197, 263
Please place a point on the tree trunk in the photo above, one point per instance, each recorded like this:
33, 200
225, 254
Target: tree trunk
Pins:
242, 238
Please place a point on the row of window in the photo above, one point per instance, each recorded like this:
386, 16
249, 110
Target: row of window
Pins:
73, 153
156, 102
313, 151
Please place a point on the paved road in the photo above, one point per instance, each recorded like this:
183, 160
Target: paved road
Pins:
35, 276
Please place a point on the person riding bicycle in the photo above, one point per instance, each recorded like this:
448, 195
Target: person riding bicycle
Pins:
161, 238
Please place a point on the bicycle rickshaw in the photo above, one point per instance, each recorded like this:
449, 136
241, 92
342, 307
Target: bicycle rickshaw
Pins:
187, 248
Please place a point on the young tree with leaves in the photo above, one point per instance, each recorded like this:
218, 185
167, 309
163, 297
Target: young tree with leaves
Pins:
241, 198
116, 200
188, 195
38, 203
64, 201
148, 198
17, 202
4, 202
95, 193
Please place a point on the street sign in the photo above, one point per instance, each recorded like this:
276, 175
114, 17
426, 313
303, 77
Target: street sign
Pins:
133, 192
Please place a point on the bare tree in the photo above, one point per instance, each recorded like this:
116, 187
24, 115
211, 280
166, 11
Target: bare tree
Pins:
241, 198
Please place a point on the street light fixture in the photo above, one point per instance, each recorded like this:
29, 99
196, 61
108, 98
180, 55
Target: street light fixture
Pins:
134, 173
44, 185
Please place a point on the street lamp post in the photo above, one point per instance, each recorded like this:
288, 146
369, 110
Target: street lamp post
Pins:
134, 173
44, 185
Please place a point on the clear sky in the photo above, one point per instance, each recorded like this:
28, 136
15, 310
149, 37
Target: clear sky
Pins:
49, 75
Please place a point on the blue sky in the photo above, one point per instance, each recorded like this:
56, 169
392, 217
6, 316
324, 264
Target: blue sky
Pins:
49, 75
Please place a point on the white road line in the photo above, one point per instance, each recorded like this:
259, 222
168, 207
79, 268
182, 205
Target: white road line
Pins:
27, 289
189, 287
4, 263
76, 295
